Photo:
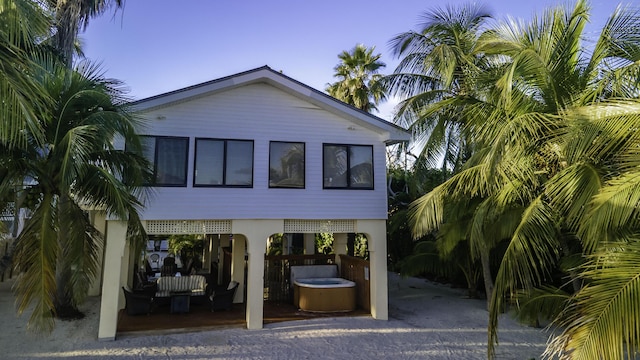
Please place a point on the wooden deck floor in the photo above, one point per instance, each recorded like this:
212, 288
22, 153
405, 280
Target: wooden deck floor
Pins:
200, 318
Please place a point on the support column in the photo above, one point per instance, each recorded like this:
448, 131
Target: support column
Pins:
239, 249
309, 244
223, 242
256, 232
339, 247
376, 233
99, 221
112, 295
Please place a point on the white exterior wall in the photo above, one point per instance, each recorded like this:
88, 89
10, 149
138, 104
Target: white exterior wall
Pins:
263, 113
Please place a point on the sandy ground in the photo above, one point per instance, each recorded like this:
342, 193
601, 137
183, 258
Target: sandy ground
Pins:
426, 321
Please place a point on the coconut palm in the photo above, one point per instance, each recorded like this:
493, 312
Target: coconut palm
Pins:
358, 78
558, 155
23, 23
21, 96
71, 16
76, 169
441, 80
439, 68
572, 121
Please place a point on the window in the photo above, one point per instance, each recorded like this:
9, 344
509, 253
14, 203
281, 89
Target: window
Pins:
347, 166
286, 165
221, 162
168, 156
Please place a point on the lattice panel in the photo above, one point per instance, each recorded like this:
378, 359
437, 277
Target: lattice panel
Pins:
161, 227
320, 226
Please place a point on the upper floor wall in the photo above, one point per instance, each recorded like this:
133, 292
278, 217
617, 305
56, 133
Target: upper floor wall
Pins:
217, 129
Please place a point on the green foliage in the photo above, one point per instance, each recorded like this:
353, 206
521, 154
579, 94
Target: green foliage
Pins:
437, 76
324, 243
76, 168
550, 169
601, 321
275, 244
361, 247
358, 78
541, 304
23, 23
404, 187
188, 247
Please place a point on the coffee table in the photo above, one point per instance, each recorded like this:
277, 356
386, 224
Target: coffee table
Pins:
180, 301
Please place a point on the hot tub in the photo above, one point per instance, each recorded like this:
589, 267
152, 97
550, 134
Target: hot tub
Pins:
324, 294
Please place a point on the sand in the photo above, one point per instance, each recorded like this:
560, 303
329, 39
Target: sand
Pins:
426, 321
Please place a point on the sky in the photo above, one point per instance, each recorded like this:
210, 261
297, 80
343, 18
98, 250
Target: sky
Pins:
156, 46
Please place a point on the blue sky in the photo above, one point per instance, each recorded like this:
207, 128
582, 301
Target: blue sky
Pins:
156, 46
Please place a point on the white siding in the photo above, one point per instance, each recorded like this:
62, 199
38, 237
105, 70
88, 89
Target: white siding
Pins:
263, 113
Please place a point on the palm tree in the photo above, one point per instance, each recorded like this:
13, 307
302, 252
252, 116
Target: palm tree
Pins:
558, 174
358, 78
70, 17
76, 168
440, 68
21, 96
23, 22
440, 78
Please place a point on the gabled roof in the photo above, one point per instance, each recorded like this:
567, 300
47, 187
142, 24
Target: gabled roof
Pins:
391, 132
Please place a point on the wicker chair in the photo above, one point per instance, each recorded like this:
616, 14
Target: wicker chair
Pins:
169, 267
137, 304
154, 261
142, 285
222, 298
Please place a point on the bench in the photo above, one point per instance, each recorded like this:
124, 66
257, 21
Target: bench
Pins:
196, 285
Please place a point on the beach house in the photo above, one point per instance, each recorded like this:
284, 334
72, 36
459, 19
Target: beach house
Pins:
244, 157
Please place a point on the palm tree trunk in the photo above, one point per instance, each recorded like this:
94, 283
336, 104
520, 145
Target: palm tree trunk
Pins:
64, 301
486, 274
573, 273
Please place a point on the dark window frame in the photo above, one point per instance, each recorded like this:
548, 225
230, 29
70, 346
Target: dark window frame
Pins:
349, 185
224, 163
155, 160
304, 165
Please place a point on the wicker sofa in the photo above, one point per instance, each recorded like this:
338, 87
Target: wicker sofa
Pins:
196, 284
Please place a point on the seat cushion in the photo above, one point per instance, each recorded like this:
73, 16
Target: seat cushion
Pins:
197, 284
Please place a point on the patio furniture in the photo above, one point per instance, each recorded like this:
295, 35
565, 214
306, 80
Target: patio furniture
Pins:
180, 301
222, 298
169, 267
154, 261
147, 268
195, 284
143, 285
137, 304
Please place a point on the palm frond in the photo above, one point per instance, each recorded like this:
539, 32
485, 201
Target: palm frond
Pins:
571, 190
602, 320
540, 303
81, 244
36, 255
613, 210
527, 260
424, 259
24, 23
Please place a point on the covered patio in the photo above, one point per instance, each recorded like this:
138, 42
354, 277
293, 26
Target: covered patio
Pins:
200, 318
246, 266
